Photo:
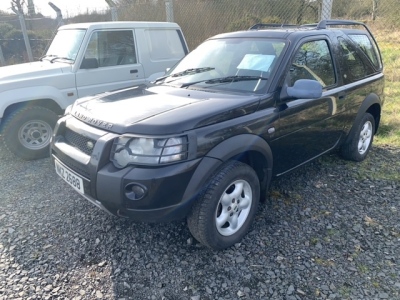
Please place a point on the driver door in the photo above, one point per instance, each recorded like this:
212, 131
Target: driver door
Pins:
309, 127
110, 63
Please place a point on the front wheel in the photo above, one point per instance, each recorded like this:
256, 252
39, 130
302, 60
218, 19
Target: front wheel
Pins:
225, 211
359, 141
27, 132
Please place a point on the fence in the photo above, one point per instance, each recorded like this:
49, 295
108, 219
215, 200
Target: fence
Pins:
201, 19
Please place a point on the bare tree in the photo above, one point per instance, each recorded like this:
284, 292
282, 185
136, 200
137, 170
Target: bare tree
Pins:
18, 5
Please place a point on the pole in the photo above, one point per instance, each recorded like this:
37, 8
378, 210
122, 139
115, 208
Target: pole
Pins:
113, 8
24, 33
169, 10
26, 38
326, 9
59, 18
2, 60
31, 8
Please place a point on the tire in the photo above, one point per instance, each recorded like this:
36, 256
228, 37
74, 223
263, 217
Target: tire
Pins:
360, 140
226, 209
27, 132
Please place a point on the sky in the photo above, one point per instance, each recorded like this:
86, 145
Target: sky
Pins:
68, 7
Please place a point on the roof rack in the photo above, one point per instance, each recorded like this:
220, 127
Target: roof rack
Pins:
323, 24
272, 25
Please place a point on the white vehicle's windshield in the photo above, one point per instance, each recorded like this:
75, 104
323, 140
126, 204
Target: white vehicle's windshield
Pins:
235, 64
66, 44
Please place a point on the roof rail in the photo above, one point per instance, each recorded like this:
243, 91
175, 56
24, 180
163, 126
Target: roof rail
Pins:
271, 25
324, 23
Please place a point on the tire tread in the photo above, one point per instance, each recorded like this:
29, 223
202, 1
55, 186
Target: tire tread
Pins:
8, 132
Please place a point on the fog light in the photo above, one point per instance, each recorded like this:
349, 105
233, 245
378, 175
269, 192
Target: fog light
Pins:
134, 191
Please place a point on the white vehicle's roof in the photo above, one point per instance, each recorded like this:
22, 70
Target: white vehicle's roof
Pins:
118, 25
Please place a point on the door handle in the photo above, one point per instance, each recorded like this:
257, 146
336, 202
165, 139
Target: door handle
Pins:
133, 71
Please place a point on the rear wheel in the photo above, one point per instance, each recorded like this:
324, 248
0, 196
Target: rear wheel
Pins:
359, 141
227, 208
27, 132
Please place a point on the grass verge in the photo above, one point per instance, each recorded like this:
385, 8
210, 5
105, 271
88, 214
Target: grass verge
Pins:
389, 131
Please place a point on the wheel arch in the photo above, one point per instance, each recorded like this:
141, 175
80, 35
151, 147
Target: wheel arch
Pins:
46, 103
249, 149
246, 148
48, 97
371, 104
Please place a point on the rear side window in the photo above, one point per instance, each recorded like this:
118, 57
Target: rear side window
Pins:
367, 47
312, 61
164, 44
354, 66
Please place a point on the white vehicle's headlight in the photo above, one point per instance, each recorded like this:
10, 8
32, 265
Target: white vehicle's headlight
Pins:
68, 110
148, 151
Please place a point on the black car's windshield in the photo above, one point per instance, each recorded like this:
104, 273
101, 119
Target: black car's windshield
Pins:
235, 64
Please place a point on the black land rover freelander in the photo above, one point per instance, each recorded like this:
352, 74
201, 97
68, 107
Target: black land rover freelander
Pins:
204, 141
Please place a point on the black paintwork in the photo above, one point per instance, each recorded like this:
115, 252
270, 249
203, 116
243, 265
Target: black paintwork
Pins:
268, 130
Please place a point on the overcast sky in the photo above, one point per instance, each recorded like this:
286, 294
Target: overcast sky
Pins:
68, 7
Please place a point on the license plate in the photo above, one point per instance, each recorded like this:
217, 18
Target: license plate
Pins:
70, 177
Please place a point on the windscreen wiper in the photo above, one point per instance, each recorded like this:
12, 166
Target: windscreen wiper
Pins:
60, 57
227, 79
46, 56
186, 72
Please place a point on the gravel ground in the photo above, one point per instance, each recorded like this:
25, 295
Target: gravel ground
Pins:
330, 230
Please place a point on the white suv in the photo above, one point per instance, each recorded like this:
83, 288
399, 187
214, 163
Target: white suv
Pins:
83, 59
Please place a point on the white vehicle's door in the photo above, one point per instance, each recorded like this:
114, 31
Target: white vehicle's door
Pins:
110, 62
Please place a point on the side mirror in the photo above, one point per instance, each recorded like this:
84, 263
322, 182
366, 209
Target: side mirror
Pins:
89, 63
305, 88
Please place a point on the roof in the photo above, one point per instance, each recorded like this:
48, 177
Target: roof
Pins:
119, 25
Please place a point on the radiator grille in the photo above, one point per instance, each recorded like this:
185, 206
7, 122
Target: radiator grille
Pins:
84, 144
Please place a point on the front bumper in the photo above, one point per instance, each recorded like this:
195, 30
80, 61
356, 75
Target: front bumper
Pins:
164, 188
168, 190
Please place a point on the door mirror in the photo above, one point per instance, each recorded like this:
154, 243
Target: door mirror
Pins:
89, 63
305, 88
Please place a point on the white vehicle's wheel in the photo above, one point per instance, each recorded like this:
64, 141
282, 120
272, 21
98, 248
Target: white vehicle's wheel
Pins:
27, 132
226, 210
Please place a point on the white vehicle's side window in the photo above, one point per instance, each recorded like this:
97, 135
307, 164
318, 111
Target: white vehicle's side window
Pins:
111, 48
164, 44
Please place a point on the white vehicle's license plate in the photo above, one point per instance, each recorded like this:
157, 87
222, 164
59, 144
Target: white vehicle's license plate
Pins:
70, 177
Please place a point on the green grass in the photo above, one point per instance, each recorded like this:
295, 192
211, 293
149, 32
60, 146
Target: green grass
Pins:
389, 131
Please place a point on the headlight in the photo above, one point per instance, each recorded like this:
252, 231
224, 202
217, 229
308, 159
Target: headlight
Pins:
148, 151
68, 110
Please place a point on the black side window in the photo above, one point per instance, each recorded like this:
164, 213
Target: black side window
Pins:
354, 66
368, 47
312, 61
112, 48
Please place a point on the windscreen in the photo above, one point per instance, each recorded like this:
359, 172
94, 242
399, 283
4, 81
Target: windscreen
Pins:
66, 43
235, 64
